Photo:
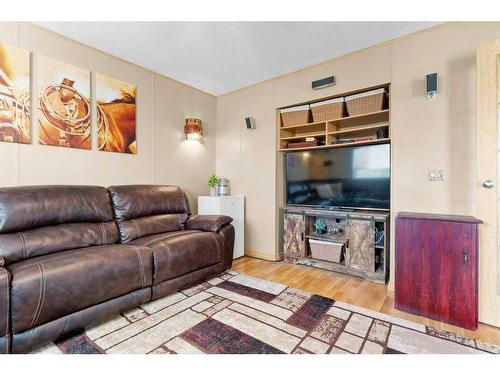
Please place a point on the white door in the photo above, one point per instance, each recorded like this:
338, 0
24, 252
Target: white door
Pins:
488, 153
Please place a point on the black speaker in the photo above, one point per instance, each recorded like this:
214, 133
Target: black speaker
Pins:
431, 86
383, 133
323, 82
250, 123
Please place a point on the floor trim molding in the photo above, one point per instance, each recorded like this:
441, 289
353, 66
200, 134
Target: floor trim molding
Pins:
263, 256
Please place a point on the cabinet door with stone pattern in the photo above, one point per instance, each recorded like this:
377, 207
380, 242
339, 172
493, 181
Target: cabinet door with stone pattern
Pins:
294, 242
361, 250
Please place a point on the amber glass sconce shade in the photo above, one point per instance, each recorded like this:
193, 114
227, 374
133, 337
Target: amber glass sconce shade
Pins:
193, 129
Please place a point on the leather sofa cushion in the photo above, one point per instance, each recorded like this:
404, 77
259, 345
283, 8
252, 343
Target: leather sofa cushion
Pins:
28, 207
51, 286
148, 225
178, 253
39, 220
208, 223
131, 201
51, 239
143, 210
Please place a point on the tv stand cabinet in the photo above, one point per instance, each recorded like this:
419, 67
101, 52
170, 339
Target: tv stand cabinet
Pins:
364, 236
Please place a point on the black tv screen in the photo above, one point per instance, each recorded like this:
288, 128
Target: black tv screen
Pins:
350, 177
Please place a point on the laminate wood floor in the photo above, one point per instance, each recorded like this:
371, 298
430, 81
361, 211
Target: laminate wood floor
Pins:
348, 289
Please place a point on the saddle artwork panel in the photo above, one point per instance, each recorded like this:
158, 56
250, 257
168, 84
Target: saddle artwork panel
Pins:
14, 94
63, 104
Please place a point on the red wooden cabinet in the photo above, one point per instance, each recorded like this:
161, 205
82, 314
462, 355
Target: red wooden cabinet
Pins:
437, 267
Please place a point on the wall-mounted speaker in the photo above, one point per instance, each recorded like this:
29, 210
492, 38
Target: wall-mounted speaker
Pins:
431, 85
323, 82
250, 123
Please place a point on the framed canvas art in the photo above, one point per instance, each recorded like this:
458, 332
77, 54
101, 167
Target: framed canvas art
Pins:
116, 123
14, 94
63, 104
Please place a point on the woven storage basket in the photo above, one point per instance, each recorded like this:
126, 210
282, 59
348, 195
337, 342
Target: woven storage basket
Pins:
366, 102
295, 116
329, 251
327, 110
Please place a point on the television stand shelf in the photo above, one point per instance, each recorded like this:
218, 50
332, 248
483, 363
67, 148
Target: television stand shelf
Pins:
364, 236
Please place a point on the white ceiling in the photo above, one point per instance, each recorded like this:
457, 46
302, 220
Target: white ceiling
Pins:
219, 57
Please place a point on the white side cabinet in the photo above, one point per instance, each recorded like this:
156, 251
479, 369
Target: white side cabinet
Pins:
229, 205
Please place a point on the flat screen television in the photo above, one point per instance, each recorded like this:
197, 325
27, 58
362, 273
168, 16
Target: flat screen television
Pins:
349, 177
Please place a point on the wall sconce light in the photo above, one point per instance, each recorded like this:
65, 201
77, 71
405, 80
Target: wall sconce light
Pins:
193, 129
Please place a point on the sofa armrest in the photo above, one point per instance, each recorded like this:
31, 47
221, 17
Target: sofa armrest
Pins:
4, 310
207, 223
227, 233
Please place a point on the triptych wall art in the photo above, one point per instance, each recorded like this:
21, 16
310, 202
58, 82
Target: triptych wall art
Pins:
64, 105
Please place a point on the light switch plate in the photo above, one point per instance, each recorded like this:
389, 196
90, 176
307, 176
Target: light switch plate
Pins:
436, 175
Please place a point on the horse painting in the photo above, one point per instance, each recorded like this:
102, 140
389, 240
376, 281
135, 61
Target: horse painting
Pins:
116, 115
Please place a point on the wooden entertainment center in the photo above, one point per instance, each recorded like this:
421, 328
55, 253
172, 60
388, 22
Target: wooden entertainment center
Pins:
351, 241
363, 252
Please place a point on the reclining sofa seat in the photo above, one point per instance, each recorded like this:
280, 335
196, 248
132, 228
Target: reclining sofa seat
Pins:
62, 268
185, 248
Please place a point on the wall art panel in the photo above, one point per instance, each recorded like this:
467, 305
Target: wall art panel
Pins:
14, 94
63, 104
116, 115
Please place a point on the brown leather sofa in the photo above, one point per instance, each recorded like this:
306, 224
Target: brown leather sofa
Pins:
72, 256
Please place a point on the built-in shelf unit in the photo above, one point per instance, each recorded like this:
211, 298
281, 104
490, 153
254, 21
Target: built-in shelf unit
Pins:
329, 131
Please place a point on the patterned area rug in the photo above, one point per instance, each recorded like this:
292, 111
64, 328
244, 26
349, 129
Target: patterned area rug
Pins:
234, 313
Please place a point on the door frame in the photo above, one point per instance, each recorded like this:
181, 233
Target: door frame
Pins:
487, 200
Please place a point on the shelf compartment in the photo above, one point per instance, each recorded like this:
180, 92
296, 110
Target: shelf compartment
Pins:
309, 124
304, 135
319, 261
304, 130
359, 129
365, 119
326, 238
351, 144
378, 276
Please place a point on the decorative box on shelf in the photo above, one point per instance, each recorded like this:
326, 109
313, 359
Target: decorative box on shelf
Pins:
326, 250
325, 110
366, 102
295, 115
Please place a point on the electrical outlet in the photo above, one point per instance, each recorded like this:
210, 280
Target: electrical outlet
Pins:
436, 175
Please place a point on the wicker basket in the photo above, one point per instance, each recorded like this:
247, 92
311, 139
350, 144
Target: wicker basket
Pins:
366, 102
296, 115
329, 251
328, 110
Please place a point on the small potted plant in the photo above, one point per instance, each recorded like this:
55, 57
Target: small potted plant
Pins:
320, 226
213, 181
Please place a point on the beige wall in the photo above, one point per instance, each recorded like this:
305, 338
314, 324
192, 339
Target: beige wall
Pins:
247, 158
425, 134
162, 105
